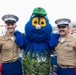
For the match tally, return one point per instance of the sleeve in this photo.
(1, 43)
(0, 48)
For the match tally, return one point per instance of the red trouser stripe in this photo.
(0, 69)
(75, 71)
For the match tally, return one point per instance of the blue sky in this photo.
(23, 9)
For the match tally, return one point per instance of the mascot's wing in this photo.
(53, 39)
(20, 40)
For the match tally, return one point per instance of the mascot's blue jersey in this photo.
(37, 43)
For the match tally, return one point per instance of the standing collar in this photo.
(67, 38)
(7, 37)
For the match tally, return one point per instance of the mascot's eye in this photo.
(35, 21)
(42, 21)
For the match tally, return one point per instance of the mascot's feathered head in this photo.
(38, 28)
